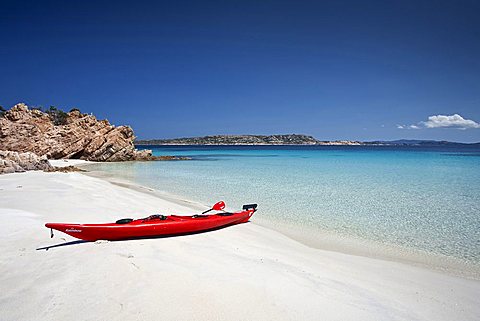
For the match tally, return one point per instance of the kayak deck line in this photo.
(155, 225)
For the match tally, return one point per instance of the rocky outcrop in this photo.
(11, 162)
(164, 158)
(79, 136)
(65, 169)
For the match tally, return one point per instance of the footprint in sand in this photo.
(128, 256)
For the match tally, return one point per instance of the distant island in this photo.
(288, 139)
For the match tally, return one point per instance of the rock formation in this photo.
(64, 169)
(79, 136)
(11, 162)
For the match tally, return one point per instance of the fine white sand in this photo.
(243, 272)
(69, 162)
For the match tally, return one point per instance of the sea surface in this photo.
(422, 199)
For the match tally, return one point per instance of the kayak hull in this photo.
(152, 227)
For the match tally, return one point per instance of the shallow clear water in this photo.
(425, 199)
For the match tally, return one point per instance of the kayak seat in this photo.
(199, 215)
(224, 214)
(124, 221)
(155, 217)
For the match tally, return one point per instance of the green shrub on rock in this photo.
(58, 116)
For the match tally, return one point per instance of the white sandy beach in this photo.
(243, 272)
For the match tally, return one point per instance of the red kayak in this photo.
(155, 225)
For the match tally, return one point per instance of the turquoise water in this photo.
(424, 199)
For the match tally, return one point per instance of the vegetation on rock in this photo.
(58, 116)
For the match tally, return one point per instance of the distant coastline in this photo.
(290, 139)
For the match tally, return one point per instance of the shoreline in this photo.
(238, 266)
(323, 240)
(350, 245)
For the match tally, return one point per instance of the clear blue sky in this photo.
(332, 69)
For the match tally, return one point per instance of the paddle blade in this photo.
(219, 206)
